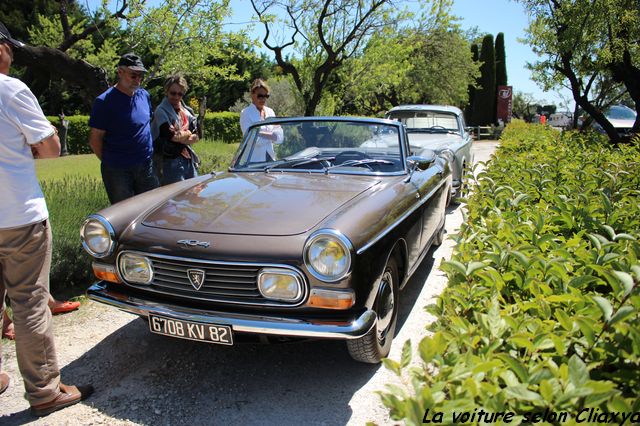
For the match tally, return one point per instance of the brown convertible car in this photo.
(311, 233)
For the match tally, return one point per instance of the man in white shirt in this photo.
(25, 239)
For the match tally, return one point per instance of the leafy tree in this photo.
(187, 37)
(430, 64)
(587, 45)
(311, 39)
(74, 47)
(284, 99)
(524, 105)
(370, 82)
(441, 69)
(485, 98)
(18, 15)
(223, 91)
(53, 58)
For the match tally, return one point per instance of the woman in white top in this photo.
(258, 111)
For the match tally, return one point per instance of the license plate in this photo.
(220, 334)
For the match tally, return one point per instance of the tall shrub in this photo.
(501, 68)
(484, 103)
(475, 56)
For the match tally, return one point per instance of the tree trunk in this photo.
(45, 60)
(624, 71)
(201, 112)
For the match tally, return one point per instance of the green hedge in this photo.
(219, 126)
(222, 126)
(77, 134)
(542, 308)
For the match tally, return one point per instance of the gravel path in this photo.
(145, 379)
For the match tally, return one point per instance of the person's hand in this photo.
(193, 138)
(267, 135)
(181, 136)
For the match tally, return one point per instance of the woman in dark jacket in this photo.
(174, 131)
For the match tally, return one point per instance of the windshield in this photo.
(427, 121)
(325, 146)
(621, 113)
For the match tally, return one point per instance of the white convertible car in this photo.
(438, 128)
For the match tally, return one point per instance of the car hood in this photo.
(434, 141)
(257, 203)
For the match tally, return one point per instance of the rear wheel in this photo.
(376, 344)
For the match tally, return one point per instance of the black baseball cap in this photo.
(132, 61)
(5, 36)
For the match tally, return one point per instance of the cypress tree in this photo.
(501, 69)
(501, 61)
(484, 104)
(471, 89)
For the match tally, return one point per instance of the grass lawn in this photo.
(215, 156)
(86, 165)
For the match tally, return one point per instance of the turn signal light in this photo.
(331, 299)
(105, 272)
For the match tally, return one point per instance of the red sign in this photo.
(505, 103)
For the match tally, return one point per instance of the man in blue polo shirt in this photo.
(120, 133)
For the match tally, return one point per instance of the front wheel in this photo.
(463, 190)
(439, 237)
(376, 344)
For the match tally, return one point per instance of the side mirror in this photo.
(421, 162)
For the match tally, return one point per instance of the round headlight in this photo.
(97, 236)
(327, 255)
(135, 268)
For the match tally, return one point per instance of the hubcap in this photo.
(386, 304)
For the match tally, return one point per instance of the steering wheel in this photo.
(438, 127)
(349, 155)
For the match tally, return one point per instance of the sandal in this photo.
(64, 307)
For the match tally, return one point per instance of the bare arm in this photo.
(48, 147)
(96, 139)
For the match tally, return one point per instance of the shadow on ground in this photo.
(150, 379)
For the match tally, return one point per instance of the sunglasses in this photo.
(136, 75)
(181, 94)
(262, 96)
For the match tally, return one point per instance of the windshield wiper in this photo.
(359, 163)
(298, 162)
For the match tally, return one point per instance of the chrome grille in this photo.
(230, 282)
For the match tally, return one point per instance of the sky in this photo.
(510, 18)
(489, 16)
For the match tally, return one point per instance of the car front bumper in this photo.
(239, 322)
